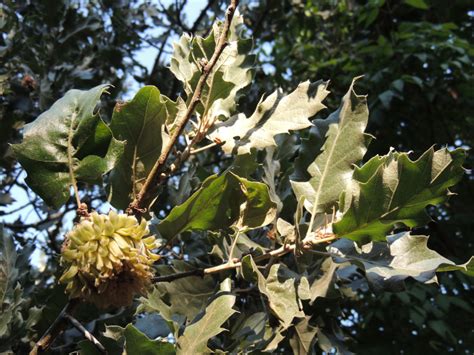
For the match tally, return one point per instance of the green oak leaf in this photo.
(335, 342)
(141, 123)
(206, 325)
(8, 270)
(10, 291)
(303, 338)
(246, 164)
(11, 318)
(249, 329)
(405, 255)
(221, 202)
(232, 72)
(419, 4)
(138, 343)
(394, 189)
(222, 244)
(330, 165)
(153, 302)
(271, 170)
(181, 299)
(276, 114)
(467, 268)
(67, 144)
(280, 287)
(324, 282)
(13, 304)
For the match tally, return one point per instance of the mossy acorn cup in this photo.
(108, 259)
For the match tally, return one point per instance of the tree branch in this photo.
(86, 333)
(196, 23)
(178, 275)
(56, 328)
(234, 264)
(157, 63)
(136, 206)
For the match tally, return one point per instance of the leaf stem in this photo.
(234, 243)
(136, 206)
(198, 150)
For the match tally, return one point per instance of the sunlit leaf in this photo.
(8, 271)
(322, 284)
(276, 114)
(395, 189)
(11, 293)
(303, 338)
(231, 73)
(345, 144)
(405, 255)
(467, 267)
(281, 288)
(10, 296)
(207, 325)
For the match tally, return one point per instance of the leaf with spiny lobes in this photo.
(303, 338)
(141, 123)
(329, 166)
(394, 189)
(13, 266)
(8, 271)
(405, 255)
(276, 114)
(196, 335)
(221, 202)
(232, 72)
(138, 343)
(281, 286)
(69, 143)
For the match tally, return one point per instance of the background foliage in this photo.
(416, 57)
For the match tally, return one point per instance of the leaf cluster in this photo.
(265, 248)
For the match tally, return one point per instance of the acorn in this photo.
(108, 259)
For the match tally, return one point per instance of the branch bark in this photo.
(136, 207)
(86, 333)
(234, 264)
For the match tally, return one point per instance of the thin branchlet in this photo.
(137, 207)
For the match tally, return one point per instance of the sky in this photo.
(147, 55)
(191, 11)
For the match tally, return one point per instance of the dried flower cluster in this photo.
(107, 259)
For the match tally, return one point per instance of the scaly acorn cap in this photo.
(107, 259)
